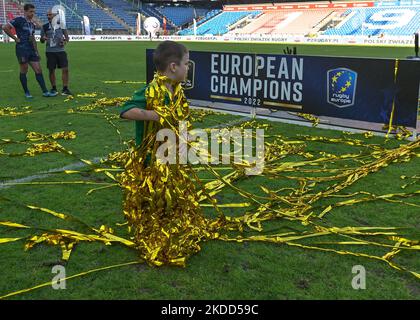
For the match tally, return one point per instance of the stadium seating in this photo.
(396, 18)
(12, 9)
(124, 10)
(150, 10)
(42, 6)
(181, 15)
(200, 21)
(396, 3)
(264, 24)
(285, 22)
(75, 9)
(303, 23)
(178, 15)
(219, 23)
(396, 21)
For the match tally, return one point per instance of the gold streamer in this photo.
(50, 283)
(14, 111)
(163, 203)
(309, 117)
(391, 117)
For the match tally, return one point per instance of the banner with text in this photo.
(361, 89)
(386, 41)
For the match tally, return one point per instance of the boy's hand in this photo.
(155, 116)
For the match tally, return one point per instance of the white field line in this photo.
(78, 165)
(45, 174)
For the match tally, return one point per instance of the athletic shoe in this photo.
(53, 93)
(28, 95)
(66, 92)
(47, 94)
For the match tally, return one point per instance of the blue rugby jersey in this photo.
(24, 30)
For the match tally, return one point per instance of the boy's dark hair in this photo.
(168, 52)
(28, 6)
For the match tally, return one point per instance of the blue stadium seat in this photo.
(75, 10)
(124, 10)
(217, 22)
(150, 10)
(396, 21)
(180, 14)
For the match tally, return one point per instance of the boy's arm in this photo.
(140, 115)
(135, 109)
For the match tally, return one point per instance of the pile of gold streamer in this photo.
(14, 111)
(100, 104)
(163, 204)
(51, 144)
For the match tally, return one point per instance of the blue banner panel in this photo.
(361, 89)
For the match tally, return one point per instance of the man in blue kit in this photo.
(26, 49)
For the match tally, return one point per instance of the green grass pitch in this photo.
(221, 270)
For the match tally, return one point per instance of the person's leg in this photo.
(51, 65)
(23, 79)
(36, 66)
(65, 76)
(53, 91)
(64, 65)
(52, 79)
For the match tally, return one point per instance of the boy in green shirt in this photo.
(171, 60)
(161, 203)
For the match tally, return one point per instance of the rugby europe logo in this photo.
(188, 84)
(341, 87)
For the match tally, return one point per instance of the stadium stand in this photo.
(150, 10)
(302, 22)
(11, 9)
(394, 18)
(209, 15)
(390, 3)
(72, 20)
(264, 24)
(176, 15)
(75, 9)
(396, 21)
(124, 10)
(181, 14)
(219, 24)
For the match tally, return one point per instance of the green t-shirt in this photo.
(139, 101)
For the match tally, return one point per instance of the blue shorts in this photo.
(26, 55)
